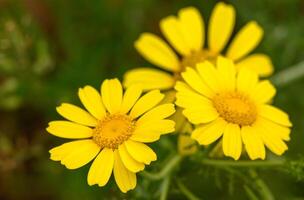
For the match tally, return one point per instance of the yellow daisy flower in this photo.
(186, 33)
(112, 132)
(232, 105)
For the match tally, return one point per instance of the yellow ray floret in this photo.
(234, 106)
(112, 132)
(186, 33)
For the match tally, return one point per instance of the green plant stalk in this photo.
(289, 75)
(165, 187)
(169, 166)
(249, 163)
(264, 191)
(186, 191)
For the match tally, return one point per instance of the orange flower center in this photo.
(235, 108)
(113, 130)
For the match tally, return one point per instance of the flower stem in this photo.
(165, 187)
(230, 163)
(186, 191)
(264, 191)
(169, 166)
(289, 75)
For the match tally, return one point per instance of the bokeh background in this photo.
(50, 48)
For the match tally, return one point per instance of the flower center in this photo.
(235, 108)
(113, 130)
(197, 57)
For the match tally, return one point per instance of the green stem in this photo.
(186, 191)
(264, 191)
(230, 163)
(165, 187)
(289, 75)
(169, 166)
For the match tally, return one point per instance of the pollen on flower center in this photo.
(197, 57)
(113, 130)
(235, 108)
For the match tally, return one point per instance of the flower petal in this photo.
(70, 130)
(221, 25)
(130, 97)
(207, 134)
(253, 143)
(129, 161)
(140, 152)
(146, 102)
(149, 79)
(274, 114)
(156, 51)
(173, 31)
(198, 115)
(125, 179)
(76, 114)
(246, 80)
(101, 169)
(159, 112)
(193, 27)
(209, 74)
(111, 93)
(245, 41)
(193, 79)
(227, 73)
(232, 143)
(75, 154)
(260, 63)
(91, 100)
(150, 131)
(263, 92)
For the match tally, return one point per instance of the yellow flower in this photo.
(235, 106)
(113, 131)
(186, 33)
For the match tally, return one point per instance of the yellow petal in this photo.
(75, 154)
(245, 41)
(111, 93)
(76, 114)
(185, 96)
(146, 102)
(140, 152)
(232, 143)
(156, 51)
(192, 78)
(150, 131)
(207, 134)
(159, 112)
(270, 138)
(198, 115)
(274, 114)
(263, 92)
(279, 130)
(70, 130)
(149, 79)
(227, 72)
(253, 143)
(91, 100)
(192, 26)
(101, 169)
(130, 97)
(246, 80)
(173, 31)
(128, 161)
(260, 63)
(221, 25)
(209, 74)
(125, 179)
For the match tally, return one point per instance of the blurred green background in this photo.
(50, 48)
